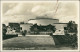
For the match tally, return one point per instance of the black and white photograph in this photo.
(40, 25)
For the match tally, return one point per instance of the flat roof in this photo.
(26, 24)
(60, 23)
(43, 19)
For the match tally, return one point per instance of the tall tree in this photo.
(71, 26)
(34, 28)
(51, 28)
(4, 29)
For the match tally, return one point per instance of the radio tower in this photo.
(56, 7)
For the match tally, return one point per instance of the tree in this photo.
(34, 28)
(4, 29)
(24, 32)
(71, 26)
(51, 28)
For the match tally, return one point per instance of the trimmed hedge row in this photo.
(65, 39)
(9, 36)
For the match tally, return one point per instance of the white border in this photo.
(36, 50)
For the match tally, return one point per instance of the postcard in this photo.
(40, 26)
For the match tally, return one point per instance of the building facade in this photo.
(25, 26)
(43, 21)
(15, 26)
(54, 22)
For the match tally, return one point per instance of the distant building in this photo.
(60, 25)
(25, 26)
(54, 22)
(43, 21)
(10, 31)
(15, 26)
(44, 26)
(60, 28)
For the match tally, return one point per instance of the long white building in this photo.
(45, 21)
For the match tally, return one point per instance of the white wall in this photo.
(25, 27)
(43, 21)
(60, 26)
(59, 29)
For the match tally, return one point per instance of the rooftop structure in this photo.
(43, 21)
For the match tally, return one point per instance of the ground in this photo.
(33, 43)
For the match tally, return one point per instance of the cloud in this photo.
(48, 9)
(7, 6)
(16, 10)
(36, 8)
(68, 18)
(39, 9)
(24, 11)
(19, 9)
(17, 18)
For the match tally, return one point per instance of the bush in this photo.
(66, 39)
(9, 36)
(24, 32)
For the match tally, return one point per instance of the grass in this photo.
(33, 43)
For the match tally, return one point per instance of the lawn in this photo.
(33, 43)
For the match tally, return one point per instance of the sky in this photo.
(23, 11)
